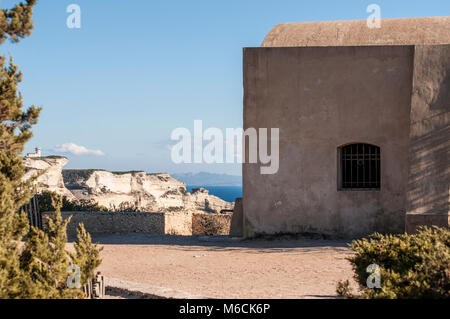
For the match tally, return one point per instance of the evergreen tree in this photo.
(45, 259)
(15, 127)
(38, 269)
(87, 255)
(17, 23)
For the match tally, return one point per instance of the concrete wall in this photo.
(429, 155)
(322, 98)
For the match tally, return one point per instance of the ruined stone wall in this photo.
(211, 224)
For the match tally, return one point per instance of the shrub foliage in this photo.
(411, 266)
(45, 204)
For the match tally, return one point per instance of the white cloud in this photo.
(77, 150)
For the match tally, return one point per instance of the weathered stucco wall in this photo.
(237, 219)
(321, 98)
(403, 31)
(429, 155)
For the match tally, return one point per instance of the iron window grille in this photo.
(360, 166)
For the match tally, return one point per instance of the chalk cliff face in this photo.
(133, 190)
(52, 179)
(117, 191)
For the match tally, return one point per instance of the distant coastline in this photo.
(209, 179)
(227, 193)
(226, 187)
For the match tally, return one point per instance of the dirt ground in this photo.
(228, 268)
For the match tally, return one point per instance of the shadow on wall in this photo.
(429, 155)
(430, 158)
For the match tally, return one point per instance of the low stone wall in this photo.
(211, 224)
(178, 223)
(171, 223)
(129, 222)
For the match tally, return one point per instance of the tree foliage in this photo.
(45, 204)
(16, 23)
(33, 264)
(46, 260)
(87, 255)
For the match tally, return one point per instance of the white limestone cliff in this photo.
(52, 179)
(117, 191)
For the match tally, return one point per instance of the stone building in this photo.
(36, 153)
(364, 135)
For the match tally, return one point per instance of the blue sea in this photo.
(227, 193)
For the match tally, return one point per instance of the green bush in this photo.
(45, 204)
(411, 266)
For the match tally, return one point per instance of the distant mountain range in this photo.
(209, 179)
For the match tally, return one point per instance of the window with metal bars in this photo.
(360, 166)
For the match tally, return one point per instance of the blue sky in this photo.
(137, 69)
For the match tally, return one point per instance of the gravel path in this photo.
(224, 267)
